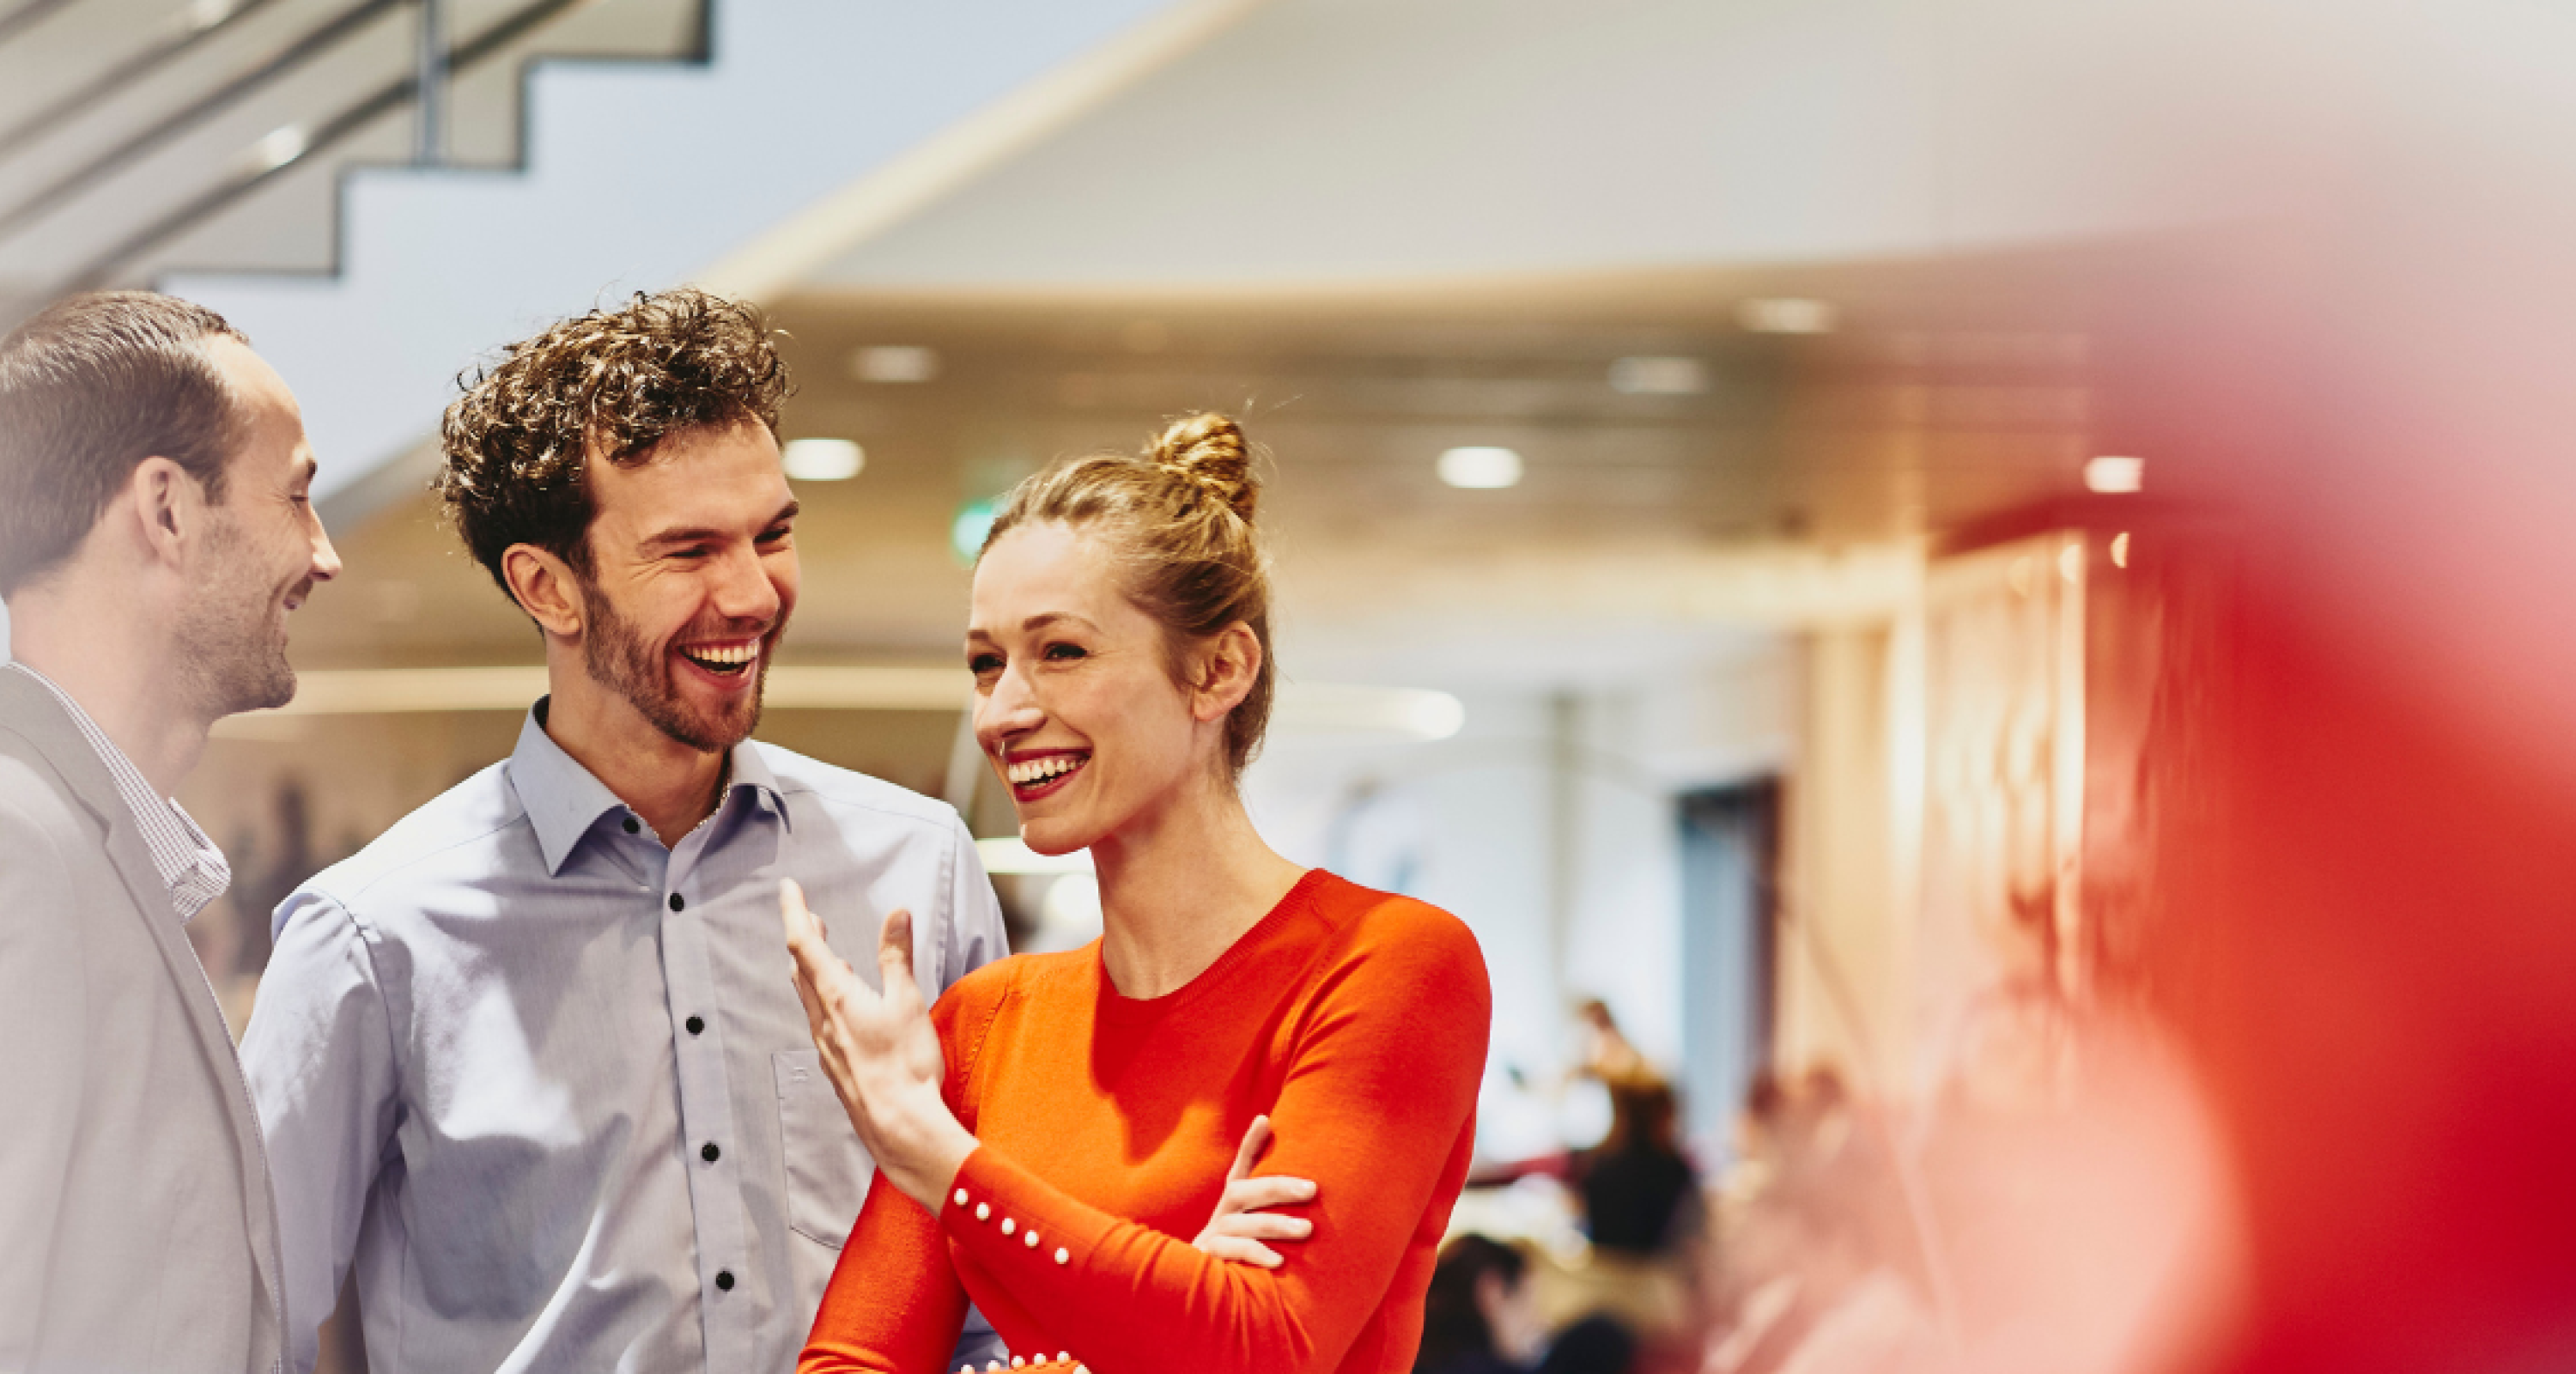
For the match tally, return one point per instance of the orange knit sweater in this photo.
(1357, 1020)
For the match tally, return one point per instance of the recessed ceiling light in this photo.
(1787, 315)
(1659, 376)
(895, 363)
(1480, 468)
(2114, 476)
(823, 460)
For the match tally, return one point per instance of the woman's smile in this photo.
(1043, 773)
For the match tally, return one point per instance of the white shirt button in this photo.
(961, 1201)
(1033, 1240)
(1062, 1255)
(984, 1212)
(1008, 1226)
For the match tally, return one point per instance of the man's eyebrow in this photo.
(698, 534)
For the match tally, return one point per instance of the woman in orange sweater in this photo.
(1048, 1135)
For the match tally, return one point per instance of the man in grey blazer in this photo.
(156, 529)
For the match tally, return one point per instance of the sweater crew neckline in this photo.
(1117, 1007)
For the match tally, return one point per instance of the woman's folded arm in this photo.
(1375, 1110)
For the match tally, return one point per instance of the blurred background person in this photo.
(1640, 1193)
(1480, 1315)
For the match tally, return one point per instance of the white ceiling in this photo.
(1350, 141)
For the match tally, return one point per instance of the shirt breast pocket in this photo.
(828, 1170)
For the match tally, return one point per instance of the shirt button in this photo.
(710, 1153)
(678, 902)
(724, 1280)
(632, 825)
(697, 1025)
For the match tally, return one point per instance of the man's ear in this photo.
(1227, 666)
(546, 589)
(168, 507)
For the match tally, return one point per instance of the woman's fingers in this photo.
(1247, 1154)
(894, 960)
(1264, 1226)
(796, 918)
(1239, 1250)
(1266, 1192)
(1242, 1219)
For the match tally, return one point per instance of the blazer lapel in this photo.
(26, 706)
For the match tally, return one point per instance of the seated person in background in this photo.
(1482, 1317)
(1639, 1193)
(1481, 1314)
(1048, 1136)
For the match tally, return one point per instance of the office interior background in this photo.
(2007, 561)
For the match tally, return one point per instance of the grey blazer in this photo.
(137, 1235)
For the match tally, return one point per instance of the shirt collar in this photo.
(565, 800)
(189, 864)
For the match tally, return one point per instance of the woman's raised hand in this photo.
(1243, 1219)
(879, 1050)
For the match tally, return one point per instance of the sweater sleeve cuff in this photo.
(1050, 1250)
(1011, 1220)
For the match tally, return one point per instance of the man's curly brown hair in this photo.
(612, 382)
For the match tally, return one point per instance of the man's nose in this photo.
(743, 588)
(326, 559)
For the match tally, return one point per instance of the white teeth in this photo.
(739, 653)
(1039, 770)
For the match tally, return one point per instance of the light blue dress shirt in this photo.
(547, 1084)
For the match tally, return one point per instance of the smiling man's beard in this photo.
(617, 658)
(229, 653)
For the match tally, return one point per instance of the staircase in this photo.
(758, 133)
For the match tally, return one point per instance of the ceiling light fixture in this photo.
(823, 460)
(1658, 376)
(1480, 468)
(2115, 476)
(1787, 315)
(896, 364)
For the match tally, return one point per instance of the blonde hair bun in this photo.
(1209, 450)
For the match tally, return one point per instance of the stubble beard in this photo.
(230, 656)
(617, 658)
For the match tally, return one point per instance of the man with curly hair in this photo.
(531, 1061)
